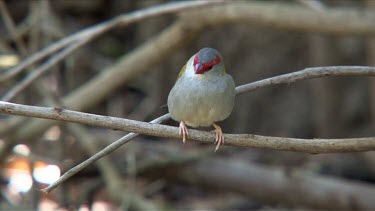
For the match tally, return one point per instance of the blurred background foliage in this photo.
(150, 168)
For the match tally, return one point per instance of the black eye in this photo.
(209, 67)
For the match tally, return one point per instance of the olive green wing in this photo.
(181, 72)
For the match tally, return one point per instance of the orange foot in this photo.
(183, 131)
(219, 137)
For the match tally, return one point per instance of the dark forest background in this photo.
(160, 174)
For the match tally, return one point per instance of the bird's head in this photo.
(206, 63)
(208, 60)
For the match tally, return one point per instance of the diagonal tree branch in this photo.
(307, 73)
(110, 148)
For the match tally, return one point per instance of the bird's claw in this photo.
(219, 137)
(183, 131)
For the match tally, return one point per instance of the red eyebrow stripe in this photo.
(195, 59)
(211, 63)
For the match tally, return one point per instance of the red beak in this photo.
(198, 68)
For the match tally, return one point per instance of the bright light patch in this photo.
(46, 174)
(52, 134)
(21, 181)
(101, 206)
(46, 204)
(21, 149)
(84, 208)
(8, 60)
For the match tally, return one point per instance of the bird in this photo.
(203, 94)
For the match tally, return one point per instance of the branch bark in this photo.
(308, 73)
(241, 140)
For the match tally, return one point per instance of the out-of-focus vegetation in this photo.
(153, 173)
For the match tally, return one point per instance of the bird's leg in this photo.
(219, 137)
(183, 131)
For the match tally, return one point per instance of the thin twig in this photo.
(9, 23)
(100, 154)
(109, 172)
(313, 4)
(91, 32)
(308, 73)
(36, 73)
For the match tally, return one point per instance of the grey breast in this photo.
(201, 102)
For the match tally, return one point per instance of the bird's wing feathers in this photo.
(182, 71)
(223, 72)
